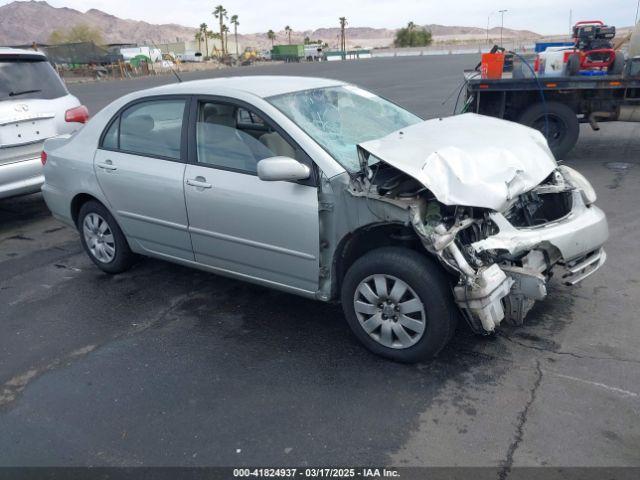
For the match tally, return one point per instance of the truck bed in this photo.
(474, 83)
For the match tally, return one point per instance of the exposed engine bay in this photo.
(499, 261)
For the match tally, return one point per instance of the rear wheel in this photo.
(398, 304)
(561, 127)
(102, 239)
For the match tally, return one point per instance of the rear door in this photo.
(140, 167)
(239, 223)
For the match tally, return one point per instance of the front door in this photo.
(140, 168)
(239, 223)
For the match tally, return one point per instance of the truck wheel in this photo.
(562, 124)
(618, 65)
(102, 239)
(573, 64)
(398, 304)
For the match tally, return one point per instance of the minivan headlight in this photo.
(579, 181)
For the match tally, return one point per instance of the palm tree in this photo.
(288, 31)
(198, 37)
(225, 36)
(271, 35)
(215, 36)
(343, 40)
(203, 32)
(235, 22)
(411, 26)
(221, 13)
(209, 35)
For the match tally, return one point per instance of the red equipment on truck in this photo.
(593, 49)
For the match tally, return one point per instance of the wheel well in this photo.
(367, 238)
(77, 202)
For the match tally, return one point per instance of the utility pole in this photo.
(488, 18)
(502, 12)
(637, 7)
(570, 20)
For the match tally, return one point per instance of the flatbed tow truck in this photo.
(564, 101)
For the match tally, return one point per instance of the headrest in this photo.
(137, 125)
(219, 114)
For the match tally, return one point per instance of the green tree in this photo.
(198, 37)
(271, 35)
(288, 31)
(221, 13)
(235, 22)
(57, 37)
(77, 34)
(412, 36)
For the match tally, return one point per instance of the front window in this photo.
(339, 118)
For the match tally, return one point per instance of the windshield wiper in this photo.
(24, 92)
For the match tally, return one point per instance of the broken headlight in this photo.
(579, 181)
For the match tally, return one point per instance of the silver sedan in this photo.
(325, 190)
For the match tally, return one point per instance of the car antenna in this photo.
(172, 69)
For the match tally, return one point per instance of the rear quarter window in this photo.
(28, 75)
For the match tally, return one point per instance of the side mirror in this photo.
(282, 168)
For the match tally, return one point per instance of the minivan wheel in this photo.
(398, 304)
(102, 239)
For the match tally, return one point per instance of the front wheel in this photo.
(398, 304)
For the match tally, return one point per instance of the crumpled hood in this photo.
(468, 159)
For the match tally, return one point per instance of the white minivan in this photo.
(34, 105)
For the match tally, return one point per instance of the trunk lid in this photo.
(469, 159)
(26, 124)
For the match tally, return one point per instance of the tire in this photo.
(102, 239)
(564, 128)
(428, 291)
(573, 64)
(618, 65)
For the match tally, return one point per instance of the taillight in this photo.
(43, 157)
(77, 115)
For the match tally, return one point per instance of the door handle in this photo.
(199, 182)
(107, 165)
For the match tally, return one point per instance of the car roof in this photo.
(260, 85)
(20, 52)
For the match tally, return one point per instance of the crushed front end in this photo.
(504, 260)
(501, 261)
(488, 200)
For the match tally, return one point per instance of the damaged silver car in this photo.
(323, 189)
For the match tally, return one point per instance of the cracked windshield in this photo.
(339, 118)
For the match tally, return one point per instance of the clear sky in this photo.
(543, 16)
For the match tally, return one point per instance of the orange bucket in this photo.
(492, 65)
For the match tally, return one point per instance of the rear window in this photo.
(27, 78)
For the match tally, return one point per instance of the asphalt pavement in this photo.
(164, 365)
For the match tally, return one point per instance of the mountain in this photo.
(23, 22)
(33, 21)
